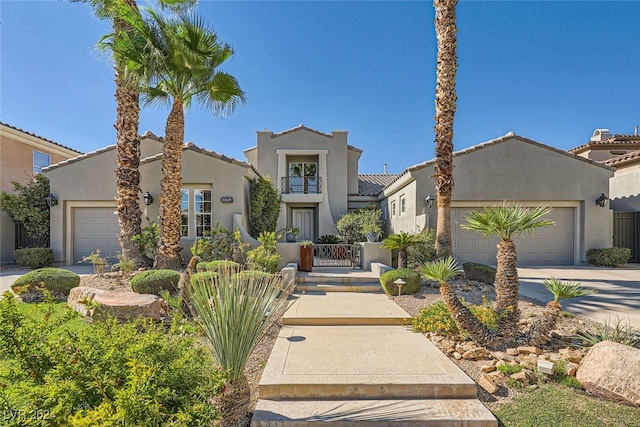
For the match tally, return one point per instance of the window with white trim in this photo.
(403, 204)
(40, 161)
(393, 209)
(197, 212)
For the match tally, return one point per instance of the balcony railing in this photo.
(301, 185)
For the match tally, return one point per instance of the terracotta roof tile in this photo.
(39, 137)
(371, 184)
(300, 127)
(623, 159)
(616, 140)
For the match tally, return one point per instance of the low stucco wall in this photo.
(290, 253)
(372, 252)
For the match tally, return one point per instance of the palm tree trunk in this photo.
(127, 160)
(507, 287)
(466, 320)
(540, 331)
(234, 403)
(445, 24)
(402, 258)
(170, 195)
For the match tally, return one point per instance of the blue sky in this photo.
(548, 70)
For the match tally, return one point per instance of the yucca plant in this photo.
(608, 331)
(539, 332)
(234, 314)
(442, 271)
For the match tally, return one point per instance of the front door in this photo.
(304, 219)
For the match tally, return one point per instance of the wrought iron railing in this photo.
(301, 185)
(336, 255)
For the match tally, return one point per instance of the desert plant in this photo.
(401, 242)
(265, 257)
(34, 257)
(155, 281)
(479, 272)
(233, 317)
(609, 257)
(222, 244)
(423, 252)
(328, 239)
(222, 264)
(204, 276)
(509, 369)
(55, 280)
(147, 240)
(125, 265)
(411, 278)
(247, 275)
(97, 260)
(305, 243)
(608, 331)
(437, 318)
(264, 202)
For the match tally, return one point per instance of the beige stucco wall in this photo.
(625, 183)
(526, 172)
(353, 157)
(16, 164)
(90, 183)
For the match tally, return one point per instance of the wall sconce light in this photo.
(602, 201)
(148, 198)
(429, 200)
(51, 200)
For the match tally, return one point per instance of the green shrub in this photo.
(264, 202)
(509, 369)
(34, 257)
(223, 265)
(424, 252)
(221, 244)
(411, 277)
(354, 226)
(609, 257)
(55, 280)
(201, 266)
(147, 240)
(248, 275)
(265, 257)
(105, 373)
(204, 277)
(436, 318)
(155, 281)
(479, 272)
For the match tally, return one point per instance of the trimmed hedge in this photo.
(34, 257)
(410, 276)
(479, 272)
(609, 257)
(56, 280)
(204, 277)
(222, 265)
(155, 281)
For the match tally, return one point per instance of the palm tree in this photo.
(234, 314)
(539, 332)
(446, 31)
(402, 242)
(507, 222)
(176, 58)
(126, 125)
(441, 271)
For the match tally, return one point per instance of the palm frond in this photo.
(401, 241)
(442, 269)
(566, 290)
(507, 221)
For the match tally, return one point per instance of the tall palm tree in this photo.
(446, 33)
(177, 59)
(402, 242)
(507, 222)
(126, 125)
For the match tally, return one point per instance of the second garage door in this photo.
(552, 245)
(95, 228)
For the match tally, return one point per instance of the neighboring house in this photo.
(215, 189)
(519, 170)
(623, 153)
(22, 154)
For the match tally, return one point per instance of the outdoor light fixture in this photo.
(51, 200)
(429, 200)
(148, 198)
(400, 283)
(602, 201)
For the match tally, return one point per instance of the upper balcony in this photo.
(301, 185)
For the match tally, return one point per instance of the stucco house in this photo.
(621, 152)
(215, 189)
(317, 176)
(22, 154)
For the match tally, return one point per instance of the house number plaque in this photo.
(226, 199)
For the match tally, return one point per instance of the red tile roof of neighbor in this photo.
(616, 140)
(39, 137)
(623, 159)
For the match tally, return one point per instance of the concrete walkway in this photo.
(618, 290)
(342, 358)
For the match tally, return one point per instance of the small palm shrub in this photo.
(155, 281)
(204, 277)
(58, 282)
(328, 239)
(609, 257)
(411, 278)
(479, 272)
(34, 257)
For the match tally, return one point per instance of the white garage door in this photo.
(95, 228)
(548, 245)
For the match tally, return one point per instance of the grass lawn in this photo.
(557, 406)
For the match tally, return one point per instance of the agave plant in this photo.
(234, 313)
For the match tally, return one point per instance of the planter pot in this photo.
(372, 237)
(306, 258)
(291, 237)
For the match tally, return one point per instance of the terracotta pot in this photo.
(306, 258)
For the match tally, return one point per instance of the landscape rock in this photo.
(512, 351)
(475, 353)
(98, 303)
(525, 376)
(529, 350)
(571, 369)
(612, 371)
(486, 383)
(571, 355)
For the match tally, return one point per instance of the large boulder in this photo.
(97, 303)
(612, 371)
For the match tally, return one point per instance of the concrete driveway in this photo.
(7, 277)
(618, 290)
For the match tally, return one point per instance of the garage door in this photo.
(549, 245)
(95, 228)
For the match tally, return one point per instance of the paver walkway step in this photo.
(373, 413)
(339, 287)
(344, 309)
